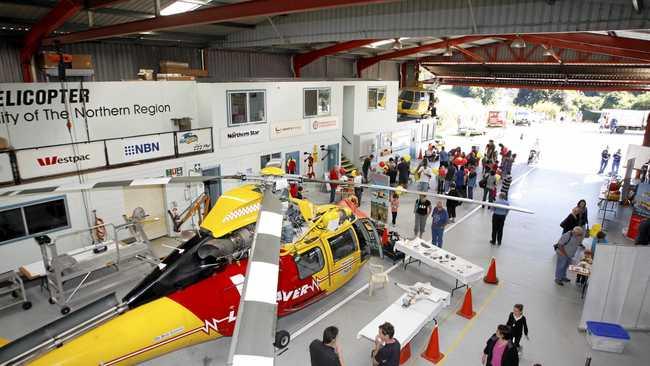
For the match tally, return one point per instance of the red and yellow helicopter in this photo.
(228, 280)
(194, 295)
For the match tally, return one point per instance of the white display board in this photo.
(5, 168)
(243, 135)
(286, 129)
(638, 152)
(62, 159)
(193, 141)
(323, 124)
(619, 287)
(132, 149)
(35, 114)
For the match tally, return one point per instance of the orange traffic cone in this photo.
(384, 236)
(432, 353)
(466, 310)
(405, 354)
(420, 155)
(491, 277)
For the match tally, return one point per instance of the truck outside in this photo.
(621, 120)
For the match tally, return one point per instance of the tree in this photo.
(642, 102)
(550, 109)
(530, 97)
(461, 90)
(485, 95)
(617, 100)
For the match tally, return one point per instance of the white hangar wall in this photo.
(207, 105)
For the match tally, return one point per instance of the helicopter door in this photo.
(344, 257)
(311, 264)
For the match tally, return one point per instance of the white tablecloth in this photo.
(429, 254)
(408, 321)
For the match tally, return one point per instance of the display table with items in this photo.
(609, 197)
(418, 250)
(409, 313)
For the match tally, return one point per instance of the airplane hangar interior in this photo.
(325, 182)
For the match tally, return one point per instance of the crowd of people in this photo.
(453, 173)
(503, 348)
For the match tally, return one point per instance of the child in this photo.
(517, 321)
(299, 194)
(600, 238)
(394, 205)
(585, 262)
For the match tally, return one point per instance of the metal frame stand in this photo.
(412, 260)
(63, 271)
(11, 283)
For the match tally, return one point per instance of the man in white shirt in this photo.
(357, 180)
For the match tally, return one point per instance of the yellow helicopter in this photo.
(259, 254)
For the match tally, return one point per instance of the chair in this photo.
(377, 277)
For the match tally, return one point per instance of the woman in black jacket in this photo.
(451, 204)
(501, 340)
(583, 217)
(571, 221)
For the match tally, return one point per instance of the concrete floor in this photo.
(525, 265)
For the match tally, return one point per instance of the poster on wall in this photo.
(62, 159)
(243, 135)
(287, 129)
(147, 147)
(323, 124)
(194, 141)
(379, 198)
(5, 168)
(35, 114)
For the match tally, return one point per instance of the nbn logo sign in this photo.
(141, 148)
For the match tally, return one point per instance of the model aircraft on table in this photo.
(258, 254)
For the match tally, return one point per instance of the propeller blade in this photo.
(252, 342)
(137, 182)
(411, 191)
(442, 196)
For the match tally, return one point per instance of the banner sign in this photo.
(132, 149)
(193, 141)
(243, 135)
(5, 168)
(323, 124)
(53, 160)
(379, 198)
(36, 114)
(287, 129)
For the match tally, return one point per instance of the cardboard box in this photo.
(173, 70)
(50, 60)
(198, 73)
(81, 61)
(177, 64)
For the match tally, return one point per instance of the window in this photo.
(246, 107)
(317, 102)
(407, 95)
(33, 218)
(377, 97)
(309, 262)
(342, 245)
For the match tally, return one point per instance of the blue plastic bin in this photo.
(608, 337)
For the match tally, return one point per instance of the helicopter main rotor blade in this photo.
(252, 342)
(411, 191)
(443, 196)
(136, 182)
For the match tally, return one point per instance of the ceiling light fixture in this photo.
(181, 6)
(518, 43)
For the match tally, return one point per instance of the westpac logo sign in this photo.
(137, 149)
(54, 160)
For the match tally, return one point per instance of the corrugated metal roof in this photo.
(443, 18)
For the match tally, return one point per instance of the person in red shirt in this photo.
(334, 175)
